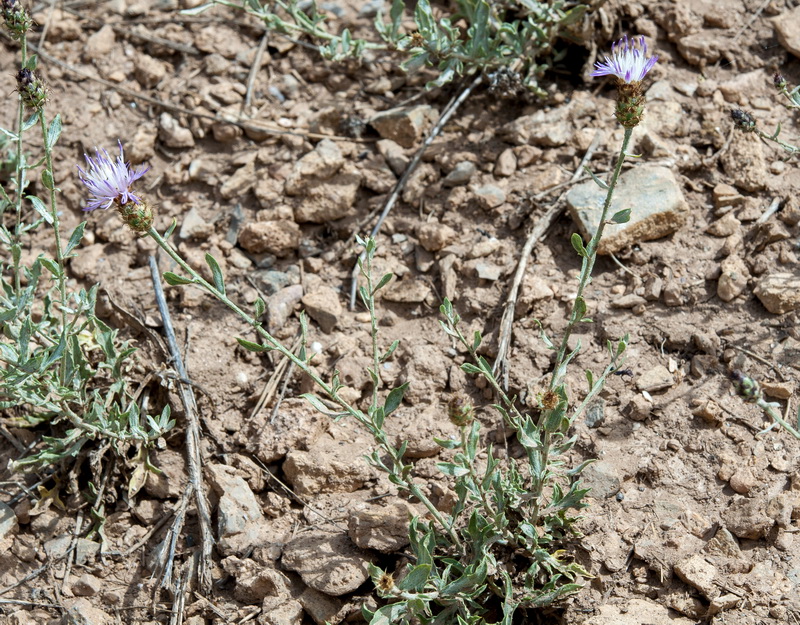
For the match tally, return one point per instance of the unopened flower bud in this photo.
(16, 18)
(743, 120)
(747, 388)
(779, 81)
(138, 216)
(460, 410)
(31, 88)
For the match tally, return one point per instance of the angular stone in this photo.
(506, 163)
(653, 194)
(656, 379)
(327, 562)
(327, 468)
(725, 226)
(331, 199)
(489, 196)
(81, 612)
(148, 71)
(8, 520)
(280, 237)
(394, 155)
(433, 235)
(407, 292)
(733, 279)
(322, 609)
(324, 307)
(779, 292)
(746, 518)
(636, 611)
(744, 162)
(99, 44)
(696, 572)
(281, 305)
(787, 27)
(173, 134)
(602, 478)
(296, 426)
(461, 174)
(87, 586)
(405, 125)
(319, 164)
(537, 129)
(383, 528)
(171, 483)
(241, 524)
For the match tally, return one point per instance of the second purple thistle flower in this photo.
(628, 60)
(109, 181)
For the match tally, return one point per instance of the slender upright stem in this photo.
(587, 265)
(273, 343)
(20, 174)
(62, 282)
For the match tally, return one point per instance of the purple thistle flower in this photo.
(628, 61)
(110, 181)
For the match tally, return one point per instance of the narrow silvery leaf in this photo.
(577, 243)
(603, 185)
(54, 131)
(75, 238)
(253, 347)
(622, 217)
(176, 280)
(171, 229)
(260, 307)
(30, 122)
(216, 272)
(40, 208)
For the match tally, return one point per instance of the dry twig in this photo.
(194, 459)
(449, 110)
(539, 230)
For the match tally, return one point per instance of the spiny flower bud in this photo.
(743, 120)
(460, 410)
(31, 88)
(747, 388)
(16, 18)
(138, 216)
(779, 81)
(629, 63)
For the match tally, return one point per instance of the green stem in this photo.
(62, 283)
(770, 411)
(20, 174)
(774, 138)
(273, 343)
(587, 265)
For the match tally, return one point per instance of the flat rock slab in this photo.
(636, 612)
(327, 561)
(654, 196)
(779, 292)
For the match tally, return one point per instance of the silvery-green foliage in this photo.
(63, 371)
(477, 36)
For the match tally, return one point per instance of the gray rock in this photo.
(324, 307)
(733, 279)
(240, 182)
(506, 163)
(271, 281)
(8, 520)
(383, 528)
(327, 562)
(172, 134)
(696, 572)
(85, 551)
(405, 125)
(747, 518)
(653, 194)
(322, 609)
(320, 164)
(655, 379)
(779, 292)
(281, 306)
(241, 524)
(460, 175)
(537, 129)
(296, 426)
(87, 586)
(595, 413)
(279, 237)
(787, 27)
(394, 155)
(327, 468)
(602, 478)
(489, 196)
(81, 612)
(195, 226)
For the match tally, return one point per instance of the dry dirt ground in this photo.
(694, 511)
